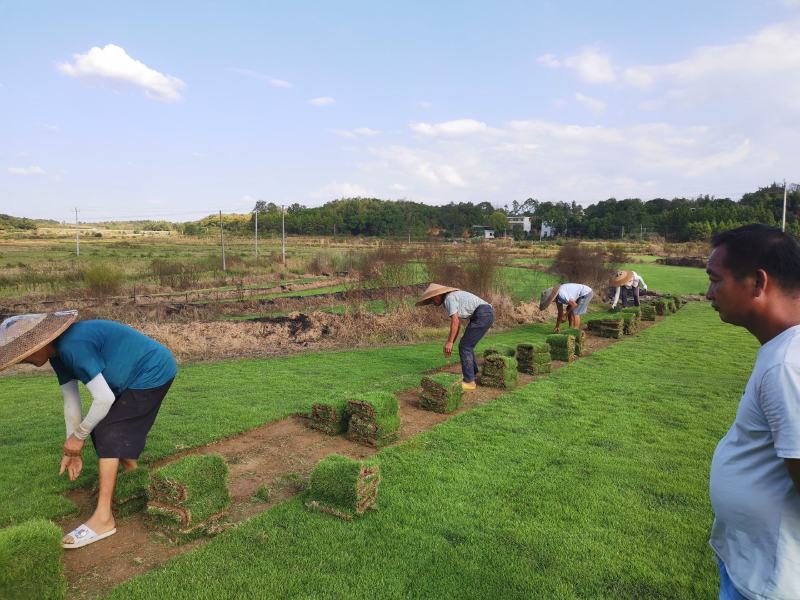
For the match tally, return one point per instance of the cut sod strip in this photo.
(130, 493)
(648, 312)
(630, 323)
(189, 497)
(662, 308)
(562, 346)
(30, 562)
(534, 359)
(441, 392)
(343, 487)
(374, 419)
(607, 328)
(499, 371)
(580, 339)
(330, 416)
(501, 349)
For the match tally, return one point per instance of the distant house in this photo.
(483, 232)
(547, 230)
(524, 221)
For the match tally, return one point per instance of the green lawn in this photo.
(524, 285)
(671, 280)
(591, 483)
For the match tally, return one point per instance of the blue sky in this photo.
(178, 109)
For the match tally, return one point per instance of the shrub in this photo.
(582, 264)
(102, 280)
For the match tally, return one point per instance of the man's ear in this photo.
(761, 282)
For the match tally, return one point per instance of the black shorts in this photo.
(123, 431)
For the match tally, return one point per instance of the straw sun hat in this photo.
(548, 296)
(22, 335)
(432, 291)
(620, 278)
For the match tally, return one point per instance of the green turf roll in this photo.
(343, 487)
(562, 346)
(580, 339)
(330, 416)
(130, 493)
(499, 371)
(630, 323)
(30, 562)
(375, 419)
(441, 392)
(636, 310)
(501, 349)
(189, 497)
(533, 359)
(648, 312)
(661, 307)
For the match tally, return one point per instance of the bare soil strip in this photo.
(279, 455)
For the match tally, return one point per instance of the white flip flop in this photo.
(83, 536)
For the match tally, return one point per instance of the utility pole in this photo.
(256, 233)
(622, 235)
(222, 240)
(283, 235)
(783, 222)
(77, 235)
(641, 231)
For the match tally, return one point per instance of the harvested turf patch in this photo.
(661, 307)
(375, 419)
(130, 493)
(188, 498)
(610, 328)
(580, 339)
(562, 346)
(648, 312)
(330, 416)
(499, 371)
(534, 359)
(441, 393)
(501, 349)
(30, 562)
(630, 324)
(343, 487)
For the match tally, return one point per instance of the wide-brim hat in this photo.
(432, 291)
(22, 335)
(620, 278)
(548, 296)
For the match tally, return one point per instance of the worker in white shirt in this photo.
(571, 298)
(627, 285)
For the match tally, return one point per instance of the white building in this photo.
(524, 221)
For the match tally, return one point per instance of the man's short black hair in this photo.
(752, 247)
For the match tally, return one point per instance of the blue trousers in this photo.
(478, 325)
(727, 591)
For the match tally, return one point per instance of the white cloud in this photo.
(111, 63)
(274, 82)
(450, 128)
(590, 65)
(335, 189)
(591, 104)
(322, 101)
(356, 133)
(280, 83)
(366, 131)
(31, 170)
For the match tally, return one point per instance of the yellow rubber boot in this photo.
(468, 386)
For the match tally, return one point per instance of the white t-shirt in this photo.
(756, 529)
(461, 302)
(572, 291)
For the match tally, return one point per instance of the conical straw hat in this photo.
(22, 335)
(620, 278)
(548, 296)
(432, 291)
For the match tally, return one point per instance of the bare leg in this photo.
(129, 464)
(102, 520)
(577, 321)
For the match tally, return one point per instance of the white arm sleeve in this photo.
(642, 284)
(616, 298)
(102, 399)
(72, 406)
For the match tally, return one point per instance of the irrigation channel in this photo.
(280, 455)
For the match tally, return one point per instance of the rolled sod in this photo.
(343, 487)
(534, 359)
(375, 418)
(330, 416)
(188, 498)
(501, 349)
(661, 307)
(499, 371)
(130, 493)
(562, 346)
(630, 323)
(30, 562)
(648, 312)
(441, 392)
(580, 339)
(636, 310)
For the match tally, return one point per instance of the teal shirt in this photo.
(126, 358)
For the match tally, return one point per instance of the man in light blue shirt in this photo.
(459, 305)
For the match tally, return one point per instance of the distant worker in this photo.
(462, 305)
(754, 274)
(127, 374)
(626, 284)
(572, 298)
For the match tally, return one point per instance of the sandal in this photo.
(83, 536)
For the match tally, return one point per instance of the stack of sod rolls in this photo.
(562, 346)
(343, 487)
(632, 320)
(648, 312)
(329, 416)
(672, 304)
(610, 328)
(188, 498)
(501, 349)
(661, 307)
(441, 392)
(580, 339)
(130, 493)
(499, 371)
(375, 418)
(30, 562)
(534, 359)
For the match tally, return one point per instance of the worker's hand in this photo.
(73, 466)
(448, 349)
(73, 446)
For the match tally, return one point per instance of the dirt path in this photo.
(279, 455)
